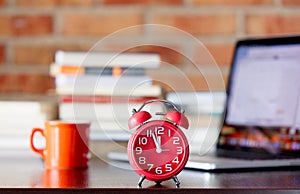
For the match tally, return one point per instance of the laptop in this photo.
(261, 127)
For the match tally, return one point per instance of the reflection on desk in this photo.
(23, 169)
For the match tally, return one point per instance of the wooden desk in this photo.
(23, 169)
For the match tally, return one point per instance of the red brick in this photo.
(25, 25)
(36, 3)
(197, 81)
(5, 25)
(291, 2)
(222, 53)
(2, 2)
(97, 24)
(232, 2)
(168, 55)
(199, 24)
(23, 83)
(27, 54)
(143, 2)
(52, 3)
(2, 54)
(272, 24)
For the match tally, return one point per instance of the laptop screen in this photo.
(263, 102)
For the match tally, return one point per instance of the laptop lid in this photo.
(262, 117)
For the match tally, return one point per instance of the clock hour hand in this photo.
(157, 143)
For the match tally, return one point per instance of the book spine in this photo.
(27, 108)
(153, 90)
(104, 99)
(101, 81)
(56, 70)
(102, 112)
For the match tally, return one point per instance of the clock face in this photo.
(158, 150)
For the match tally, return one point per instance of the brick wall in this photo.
(32, 30)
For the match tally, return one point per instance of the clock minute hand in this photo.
(157, 144)
(158, 138)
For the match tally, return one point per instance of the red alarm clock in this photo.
(158, 150)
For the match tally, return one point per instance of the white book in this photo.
(20, 126)
(90, 111)
(103, 112)
(97, 135)
(26, 107)
(18, 143)
(143, 91)
(102, 81)
(108, 59)
(199, 102)
(109, 126)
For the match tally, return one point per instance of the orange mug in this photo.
(66, 144)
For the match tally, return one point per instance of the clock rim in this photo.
(150, 176)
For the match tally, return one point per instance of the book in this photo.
(56, 70)
(199, 102)
(141, 91)
(107, 59)
(204, 120)
(19, 117)
(104, 99)
(104, 135)
(113, 112)
(28, 108)
(21, 125)
(109, 121)
(101, 81)
(103, 88)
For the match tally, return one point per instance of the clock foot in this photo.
(157, 182)
(142, 178)
(176, 181)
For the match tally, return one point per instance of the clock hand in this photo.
(157, 145)
(158, 138)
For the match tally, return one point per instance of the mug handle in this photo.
(39, 151)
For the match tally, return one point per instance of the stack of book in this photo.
(204, 111)
(103, 87)
(18, 118)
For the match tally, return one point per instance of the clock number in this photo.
(179, 150)
(158, 170)
(168, 167)
(149, 133)
(142, 160)
(142, 140)
(138, 150)
(159, 130)
(169, 133)
(150, 166)
(176, 140)
(175, 160)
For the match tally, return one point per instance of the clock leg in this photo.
(142, 178)
(157, 182)
(176, 181)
